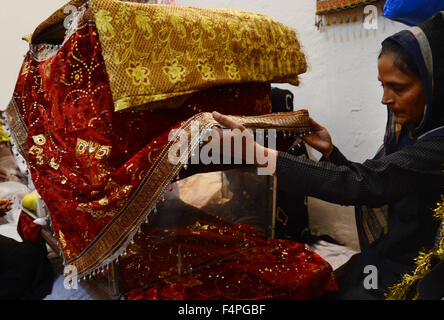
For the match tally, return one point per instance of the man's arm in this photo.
(375, 182)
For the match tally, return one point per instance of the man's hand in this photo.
(248, 149)
(319, 139)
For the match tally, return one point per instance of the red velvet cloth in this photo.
(28, 230)
(87, 162)
(189, 254)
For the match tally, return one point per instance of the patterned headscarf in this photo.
(424, 44)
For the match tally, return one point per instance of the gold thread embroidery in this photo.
(139, 74)
(62, 239)
(54, 164)
(206, 69)
(104, 202)
(154, 182)
(90, 147)
(81, 146)
(174, 71)
(38, 152)
(103, 153)
(103, 19)
(39, 140)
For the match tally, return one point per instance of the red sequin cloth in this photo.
(194, 255)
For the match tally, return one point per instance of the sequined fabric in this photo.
(28, 230)
(102, 173)
(188, 254)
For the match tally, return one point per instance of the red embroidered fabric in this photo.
(85, 159)
(194, 255)
(28, 230)
(88, 163)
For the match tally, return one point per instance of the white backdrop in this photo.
(18, 18)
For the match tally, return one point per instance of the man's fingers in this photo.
(227, 122)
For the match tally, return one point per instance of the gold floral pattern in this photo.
(231, 69)
(174, 71)
(103, 23)
(54, 164)
(143, 21)
(139, 74)
(38, 153)
(103, 153)
(187, 47)
(206, 69)
(81, 147)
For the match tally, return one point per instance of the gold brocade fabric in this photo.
(158, 52)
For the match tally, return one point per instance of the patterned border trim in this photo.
(426, 51)
(332, 6)
(18, 129)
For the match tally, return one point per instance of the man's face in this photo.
(404, 94)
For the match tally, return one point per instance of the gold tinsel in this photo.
(406, 288)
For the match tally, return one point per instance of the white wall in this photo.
(17, 19)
